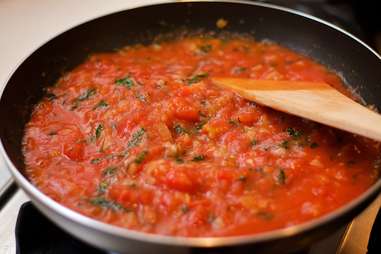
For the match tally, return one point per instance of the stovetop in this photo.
(50, 238)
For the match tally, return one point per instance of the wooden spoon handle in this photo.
(315, 101)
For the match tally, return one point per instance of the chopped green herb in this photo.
(205, 48)
(51, 96)
(265, 215)
(179, 129)
(197, 78)
(178, 159)
(253, 142)
(242, 178)
(200, 124)
(109, 171)
(127, 82)
(98, 130)
(238, 69)
(285, 144)
(233, 122)
(184, 208)
(96, 160)
(89, 92)
(122, 154)
(201, 114)
(111, 156)
(102, 187)
(84, 96)
(140, 157)
(136, 138)
(108, 204)
(314, 145)
(101, 104)
(293, 133)
(198, 158)
(281, 177)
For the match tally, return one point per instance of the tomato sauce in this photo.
(141, 138)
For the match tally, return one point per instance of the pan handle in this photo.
(356, 237)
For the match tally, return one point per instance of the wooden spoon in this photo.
(312, 100)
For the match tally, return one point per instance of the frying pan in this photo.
(357, 64)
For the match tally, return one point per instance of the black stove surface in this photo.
(35, 234)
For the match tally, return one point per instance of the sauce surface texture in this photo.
(142, 139)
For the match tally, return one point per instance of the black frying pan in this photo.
(359, 66)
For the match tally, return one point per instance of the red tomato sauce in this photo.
(142, 139)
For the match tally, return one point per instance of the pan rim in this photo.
(39, 197)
